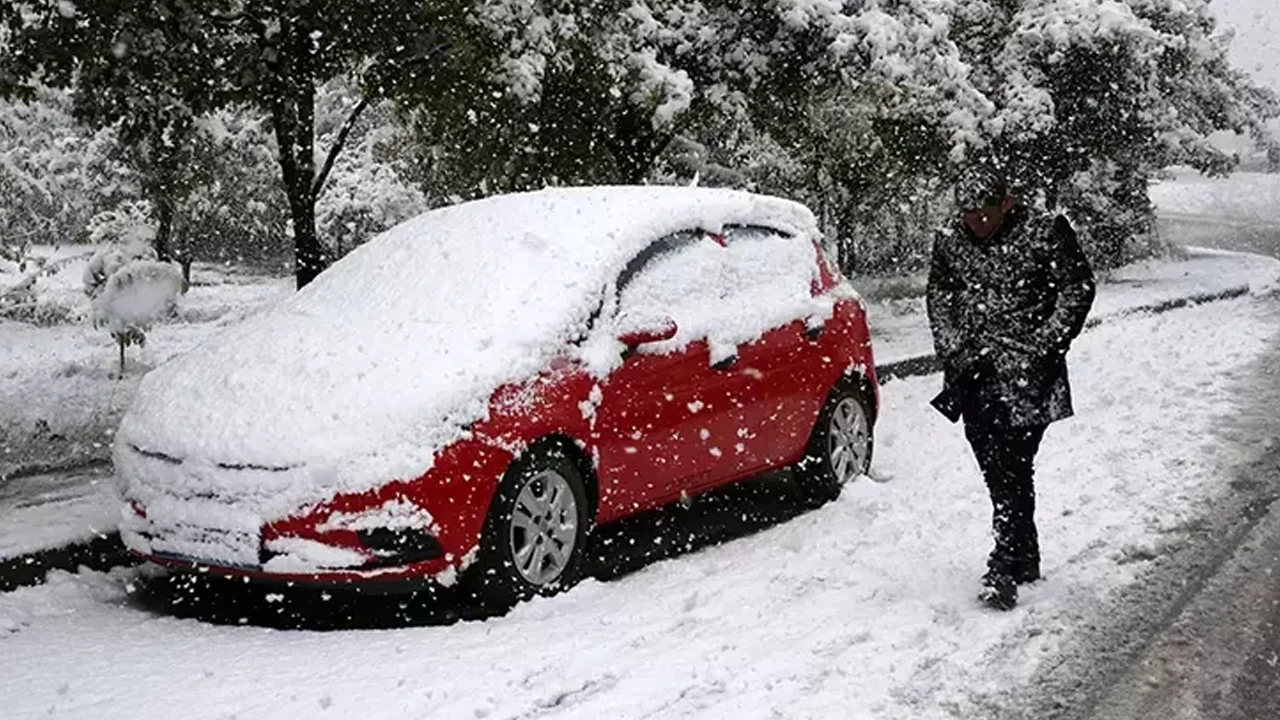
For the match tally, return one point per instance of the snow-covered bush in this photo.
(129, 288)
(109, 259)
(54, 173)
(134, 297)
(17, 290)
(129, 223)
(41, 287)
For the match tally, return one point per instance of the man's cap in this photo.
(977, 185)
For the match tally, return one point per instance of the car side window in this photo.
(667, 282)
(727, 288)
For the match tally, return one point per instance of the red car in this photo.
(467, 395)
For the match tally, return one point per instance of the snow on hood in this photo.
(386, 357)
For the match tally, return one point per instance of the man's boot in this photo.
(1026, 571)
(999, 591)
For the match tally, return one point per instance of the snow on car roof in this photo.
(384, 359)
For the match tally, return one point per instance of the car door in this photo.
(658, 419)
(646, 429)
(765, 411)
(771, 279)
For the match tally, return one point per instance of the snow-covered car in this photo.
(472, 391)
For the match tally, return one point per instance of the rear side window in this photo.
(728, 288)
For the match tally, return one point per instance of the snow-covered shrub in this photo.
(40, 288)
(54, 173)
(110, 258)
(27, 298)
(127, 223)
(134, 297)
(1111, 206)
(17, 290)
(129, 288)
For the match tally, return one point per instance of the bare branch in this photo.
(360, 107)
(338, 142)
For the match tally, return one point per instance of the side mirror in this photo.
(660, 333)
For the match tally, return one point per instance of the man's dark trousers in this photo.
(1007, 458)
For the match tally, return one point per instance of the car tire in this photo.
(535, 534)
(840, 445)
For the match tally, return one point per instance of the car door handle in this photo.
(726, 363)
(813, 333)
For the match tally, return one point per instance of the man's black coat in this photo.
(1004, 311)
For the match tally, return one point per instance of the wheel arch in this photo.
(859, 380)
(577, 453)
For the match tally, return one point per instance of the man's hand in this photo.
(989, 342)
(974, 366)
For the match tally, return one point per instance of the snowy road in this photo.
(1198, 636)
(1201, 639)
(862, 609)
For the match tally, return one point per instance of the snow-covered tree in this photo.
(372, 185)
(54, 173)
(588, 91)
(272, 56)
(239, 212)
(1093, 96)
(133, 298)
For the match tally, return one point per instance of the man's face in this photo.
(984, 221)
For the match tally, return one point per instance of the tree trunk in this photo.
(293, 117)
(164, 230)
(310, 257)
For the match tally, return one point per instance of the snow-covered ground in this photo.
(1242, 211)
(1244, 198)
(43, 512)
(863, 609)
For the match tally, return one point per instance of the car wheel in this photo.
(840, 446)
(536, 531)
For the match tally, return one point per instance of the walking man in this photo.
(1009, 290)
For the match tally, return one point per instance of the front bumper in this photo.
(390, 578)
(427, 528)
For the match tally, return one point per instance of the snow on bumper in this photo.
(183, 513)
(174, 508)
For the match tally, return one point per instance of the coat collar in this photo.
(1013, 220)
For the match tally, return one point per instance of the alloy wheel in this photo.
(848, 440)
(544, 528)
